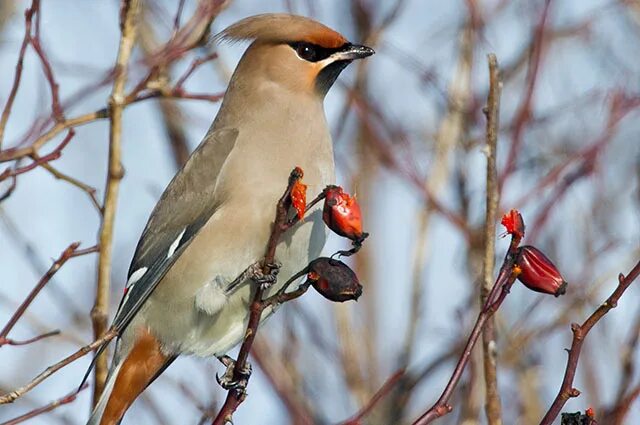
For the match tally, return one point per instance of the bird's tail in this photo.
(130, 374)
(98, 411)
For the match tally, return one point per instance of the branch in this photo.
(14, 395)
(28, 16)
(99, 313)
(384, 390)
(524, 111)
(503, 283)
(69, 398)
(70, 252)
(39, 160)
(492, 111)
(579, 334)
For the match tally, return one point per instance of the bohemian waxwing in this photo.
(214, 218)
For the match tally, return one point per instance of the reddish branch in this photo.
(70, 252)
(505, 280)
(580, 332)
(69, 398)
(383, 391)
(39, 160)
(16, 394)
(28, 16)
(524, 111)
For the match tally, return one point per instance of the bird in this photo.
(214, 218)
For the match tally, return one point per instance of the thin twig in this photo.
(492, 405)
(579, 334)
(14, 395)
(28, 16)
(66, 255)
(523, 115)
(99, 313)
(39, 160)
(69, 398)
(384, 390)
(501, 287)
(9, 341)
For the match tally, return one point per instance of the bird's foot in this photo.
(227, 380)
(265, 280)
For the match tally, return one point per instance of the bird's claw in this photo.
(265, 280)
(227, 380)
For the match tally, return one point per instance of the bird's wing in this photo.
(185, 206)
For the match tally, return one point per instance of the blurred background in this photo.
(409, 135)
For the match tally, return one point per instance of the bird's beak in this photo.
(352, 52)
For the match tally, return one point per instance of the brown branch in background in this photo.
(383, 391)
(16, 394)
(617, 414)
(492, 405)
(282, 382)
(28, 15)
(579, 334)
(70, 252)
(69, 398)
(99, 313)
(501, 287)
(524, 111)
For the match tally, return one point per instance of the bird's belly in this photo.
(190, 330)
(217, 334)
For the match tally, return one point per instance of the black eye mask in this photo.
(312, 52)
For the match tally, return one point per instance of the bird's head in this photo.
(294, 52)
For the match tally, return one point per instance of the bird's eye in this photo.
(306, 51)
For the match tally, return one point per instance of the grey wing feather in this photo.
(184, 207)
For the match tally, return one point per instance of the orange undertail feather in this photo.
(129, 378)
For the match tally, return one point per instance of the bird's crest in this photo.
(281, 28)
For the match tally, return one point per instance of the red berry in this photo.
(538, 273)
(342, 213)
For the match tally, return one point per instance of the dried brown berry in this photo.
(538, 273)
(334, 280)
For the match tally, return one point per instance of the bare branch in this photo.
(99, 313)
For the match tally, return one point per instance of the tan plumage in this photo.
(277, 28)
(214, 218)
